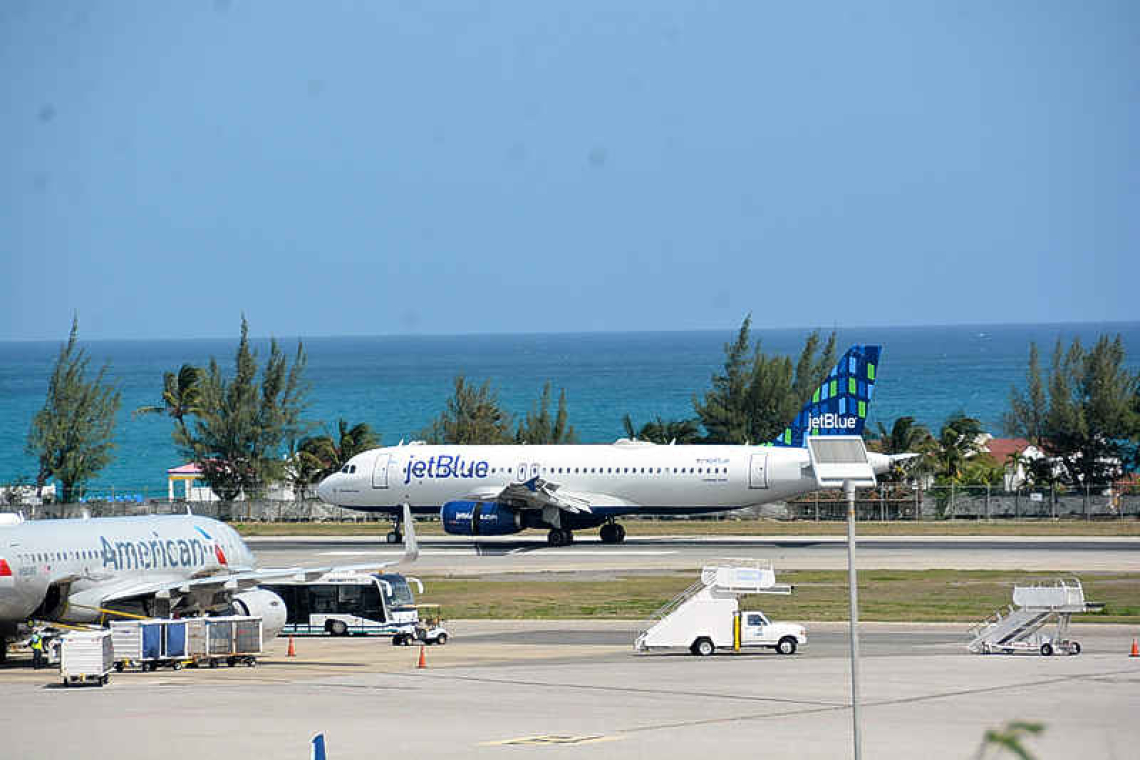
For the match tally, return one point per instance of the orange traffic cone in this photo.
(423, 658)
(1135, 649)
(292, 650)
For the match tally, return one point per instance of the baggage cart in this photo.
(232, 639)
(86, 657)
(150, 644)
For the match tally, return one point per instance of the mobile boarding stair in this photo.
(1018, 629)
(712, 600)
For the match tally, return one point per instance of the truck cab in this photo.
(756, 630)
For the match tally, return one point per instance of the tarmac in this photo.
(516, 689)
(458, 555)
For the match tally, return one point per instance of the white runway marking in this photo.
(467, 550)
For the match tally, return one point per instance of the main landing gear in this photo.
(559, 537)
(612, 533)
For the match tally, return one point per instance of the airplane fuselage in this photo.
(59, 569)
(620, 478)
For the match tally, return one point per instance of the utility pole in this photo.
(853, 583)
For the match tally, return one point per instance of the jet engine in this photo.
(480, 518)
(265, 605)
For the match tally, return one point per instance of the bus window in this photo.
(322, 600)
(401, 595)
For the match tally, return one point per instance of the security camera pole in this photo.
(841, 462)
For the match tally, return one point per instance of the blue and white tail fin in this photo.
(839, 405)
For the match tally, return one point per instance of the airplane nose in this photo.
(324, 490)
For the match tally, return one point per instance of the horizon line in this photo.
(754, 329)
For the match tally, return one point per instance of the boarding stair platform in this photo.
(728, 579)
(1018, 628)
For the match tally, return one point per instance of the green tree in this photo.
(72, 436)
(181, 396)
(1083, 414)
(663, 431)
(539, 428)
(241, 425)
(472, 416)
(1027, 411)
(756, 395)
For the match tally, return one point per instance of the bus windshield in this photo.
(401, 594)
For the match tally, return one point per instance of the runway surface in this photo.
(498, 555)
(575, 689)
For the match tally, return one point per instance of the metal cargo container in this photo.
(86, 657)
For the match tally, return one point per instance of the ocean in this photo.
(399, 383)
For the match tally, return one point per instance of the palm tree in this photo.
(906, 437)
(321, 455)
(957, 442)
(663, 431)
(181, 395)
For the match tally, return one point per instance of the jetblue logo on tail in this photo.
(839, 405)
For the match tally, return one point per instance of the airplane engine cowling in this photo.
(265, 605)
(479, 518)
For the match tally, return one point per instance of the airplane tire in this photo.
(619, 532)
(608, 534)
(394, 537)
(559, 537)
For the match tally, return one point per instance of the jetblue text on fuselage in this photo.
(829, 421)
(444, 466)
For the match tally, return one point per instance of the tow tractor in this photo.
(427, 630)
(707, 616)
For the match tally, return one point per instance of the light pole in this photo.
(853, 583)
(840, 461)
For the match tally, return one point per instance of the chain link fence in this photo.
(880, 504)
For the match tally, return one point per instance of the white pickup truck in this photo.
(756, 630)
(706, 616)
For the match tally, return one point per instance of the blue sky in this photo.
(453, 167)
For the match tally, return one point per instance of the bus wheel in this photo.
(338, 628)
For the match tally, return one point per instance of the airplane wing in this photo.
(538, 493)
(245, 578)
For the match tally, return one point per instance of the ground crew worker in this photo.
(37, 642)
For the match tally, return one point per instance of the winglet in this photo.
(411, 546)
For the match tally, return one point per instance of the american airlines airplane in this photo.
(500, 490)
(73, 571)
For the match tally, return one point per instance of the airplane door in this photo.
(380, 471)
(758, 471)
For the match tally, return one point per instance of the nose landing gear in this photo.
(395, 536)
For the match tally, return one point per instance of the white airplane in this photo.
(74, 571)
(500, 490)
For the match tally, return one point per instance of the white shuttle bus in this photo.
(349, 603)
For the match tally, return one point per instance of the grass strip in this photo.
(732, 527)
(819, 595)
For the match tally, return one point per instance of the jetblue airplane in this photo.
(74, 571)
(500, 490)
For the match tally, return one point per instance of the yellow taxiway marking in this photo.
(551, 739)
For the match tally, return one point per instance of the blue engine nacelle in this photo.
(479, 518)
